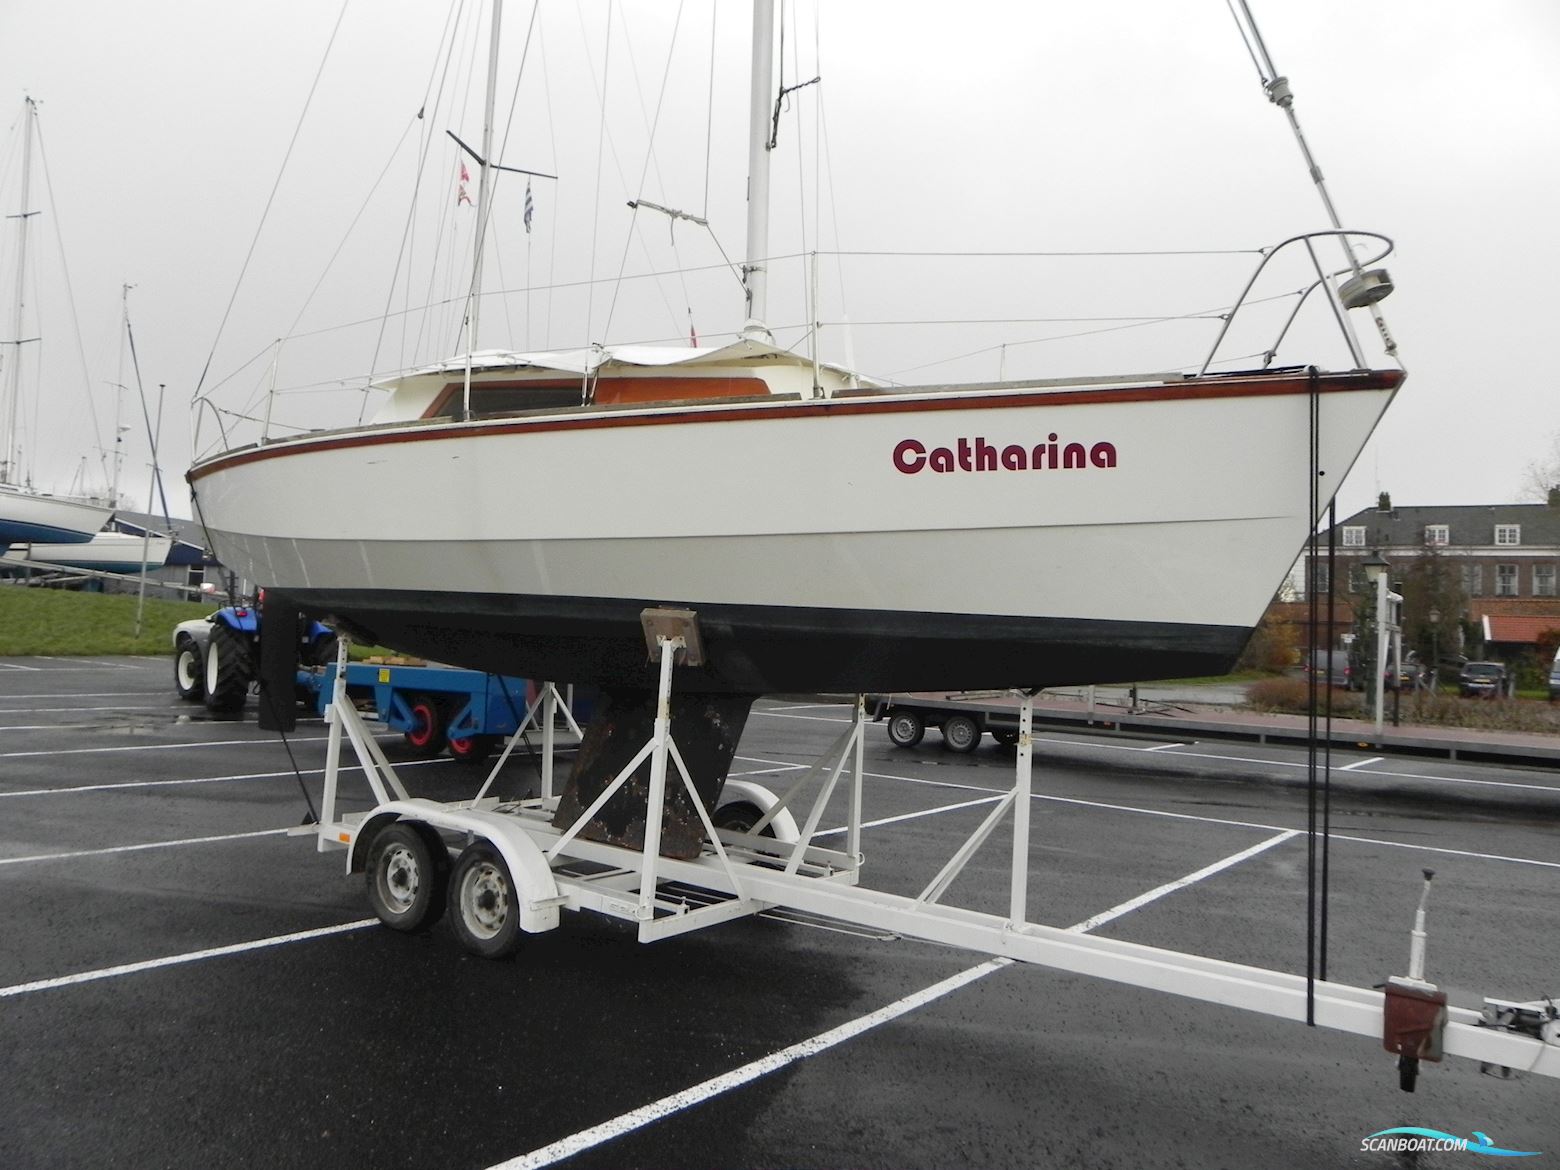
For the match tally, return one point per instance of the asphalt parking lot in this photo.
(186, 983)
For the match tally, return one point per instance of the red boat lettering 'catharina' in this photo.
(911, 456)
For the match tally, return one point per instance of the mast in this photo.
(484, 197)
(8, 435)
(754, 277)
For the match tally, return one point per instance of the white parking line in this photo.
(773, 714)
(73, 710)
(138, 848)
(177, 960)
(1197, 818)
(162, 691)
(1362, 763)
(676, 1102)
(159, 747)
(72, 790)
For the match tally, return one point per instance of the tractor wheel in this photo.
(321, 651)
(189, 673)
(228, 669)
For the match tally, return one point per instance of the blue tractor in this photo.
(217, 658)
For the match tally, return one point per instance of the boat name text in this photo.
(912, 456)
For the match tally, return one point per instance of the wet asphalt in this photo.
(183, 983)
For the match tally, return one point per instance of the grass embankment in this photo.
(1439, 710)
(56, 621)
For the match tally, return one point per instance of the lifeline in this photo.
(911, 456)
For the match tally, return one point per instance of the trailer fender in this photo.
(533, 879)
(784, 824)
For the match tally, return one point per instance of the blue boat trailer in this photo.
(433, 707)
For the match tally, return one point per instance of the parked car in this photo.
(1554, 678)
(1334, 664)
(1410, 674)
(1485, 680)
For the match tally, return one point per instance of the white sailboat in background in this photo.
(831, 535)
(27, 514)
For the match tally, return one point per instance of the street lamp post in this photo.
(1435, 649)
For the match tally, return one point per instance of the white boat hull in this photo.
(106, 552)
(816, 540)
(27, 516)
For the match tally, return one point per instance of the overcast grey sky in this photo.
(996, 128)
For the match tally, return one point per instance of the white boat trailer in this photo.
(515, 872)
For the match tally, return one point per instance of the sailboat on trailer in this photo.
(830, 535)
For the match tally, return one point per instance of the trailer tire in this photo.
(905, 728)
(472, 749)
(189, 672)
(426, 734)
(227, 669)
(740, 816)
(961, 733)
(1007, 737)
(405, 875)
(484, 909)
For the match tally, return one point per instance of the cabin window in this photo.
(1544, 580)
(1354, 536)
(1505, 580)
(505, 399)
(1508, 534)
(1437, 534)
(553, 394)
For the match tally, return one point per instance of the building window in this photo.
(1505, 580)
(1508, 534)
(1321, 578)
(1473, 580)
(1437, 534)
(1354, 536)
(1544, 580)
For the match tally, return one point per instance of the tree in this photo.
(1542, 475)
(1432, 582)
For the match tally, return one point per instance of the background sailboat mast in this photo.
(754, 276)
(9, 471)
(484, 197)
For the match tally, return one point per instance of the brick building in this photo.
(1506, 557)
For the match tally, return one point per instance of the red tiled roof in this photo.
(1517, 628)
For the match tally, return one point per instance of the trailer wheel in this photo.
(189, 673)
(483, 913)
(473, 749)
(405, 878)
(961, 733)
(227, 669)
(426, 734)
(905, 728)
(1007, 737)
(740, 816)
